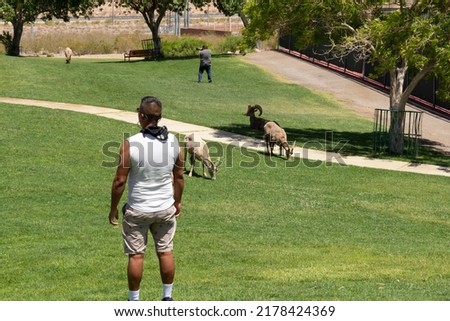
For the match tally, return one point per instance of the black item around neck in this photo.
(160, 133)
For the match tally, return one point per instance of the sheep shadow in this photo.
(195, 174)
(343, 142)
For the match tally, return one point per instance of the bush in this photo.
(181, 47)
(6, 40)
(229, 44)
(174, 47)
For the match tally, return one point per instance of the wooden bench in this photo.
(147, 53)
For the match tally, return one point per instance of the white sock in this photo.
(133, 295)
(167, 290)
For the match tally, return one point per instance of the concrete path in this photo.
(237, 140)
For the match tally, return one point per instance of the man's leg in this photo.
(208, 70)
(135, 241)
(135, 270)
(167, 271)
(200, 74)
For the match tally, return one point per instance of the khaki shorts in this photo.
(136, 224)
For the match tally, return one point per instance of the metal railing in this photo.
(408, 131)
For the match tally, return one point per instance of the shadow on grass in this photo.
(345, 143)
(156, 60)
(198, 168)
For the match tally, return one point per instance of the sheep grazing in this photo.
(255, 122)
(274, 134)
(198, 149)
(68, 53)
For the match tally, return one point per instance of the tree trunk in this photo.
(156, 43)
(399, 98)
(14, 49)
(153, 24)
(243, 18)
(397, 108)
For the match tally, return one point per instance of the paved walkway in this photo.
(350, 93)
(237, 140)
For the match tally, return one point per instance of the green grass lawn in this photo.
(305, 115)
(256, 233)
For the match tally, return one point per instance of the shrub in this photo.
(6, 40)
(188, 46)
(181, 47)
(229, 44)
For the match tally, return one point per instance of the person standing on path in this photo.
(205, 63)
(152, 163)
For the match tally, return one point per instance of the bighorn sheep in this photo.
(198, 149)
(274, 134)
(255, 122)
(68, 54)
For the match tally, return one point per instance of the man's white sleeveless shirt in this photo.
(150, 186)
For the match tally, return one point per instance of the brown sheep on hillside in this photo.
(274, 134)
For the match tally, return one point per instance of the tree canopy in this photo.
(20, 12)
(227, 7)
(153, 12)
(408, 39)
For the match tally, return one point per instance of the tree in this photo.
(21, 12)
(411, 39)
(227, 7)
(153, 12)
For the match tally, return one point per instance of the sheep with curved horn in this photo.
(255, 122)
